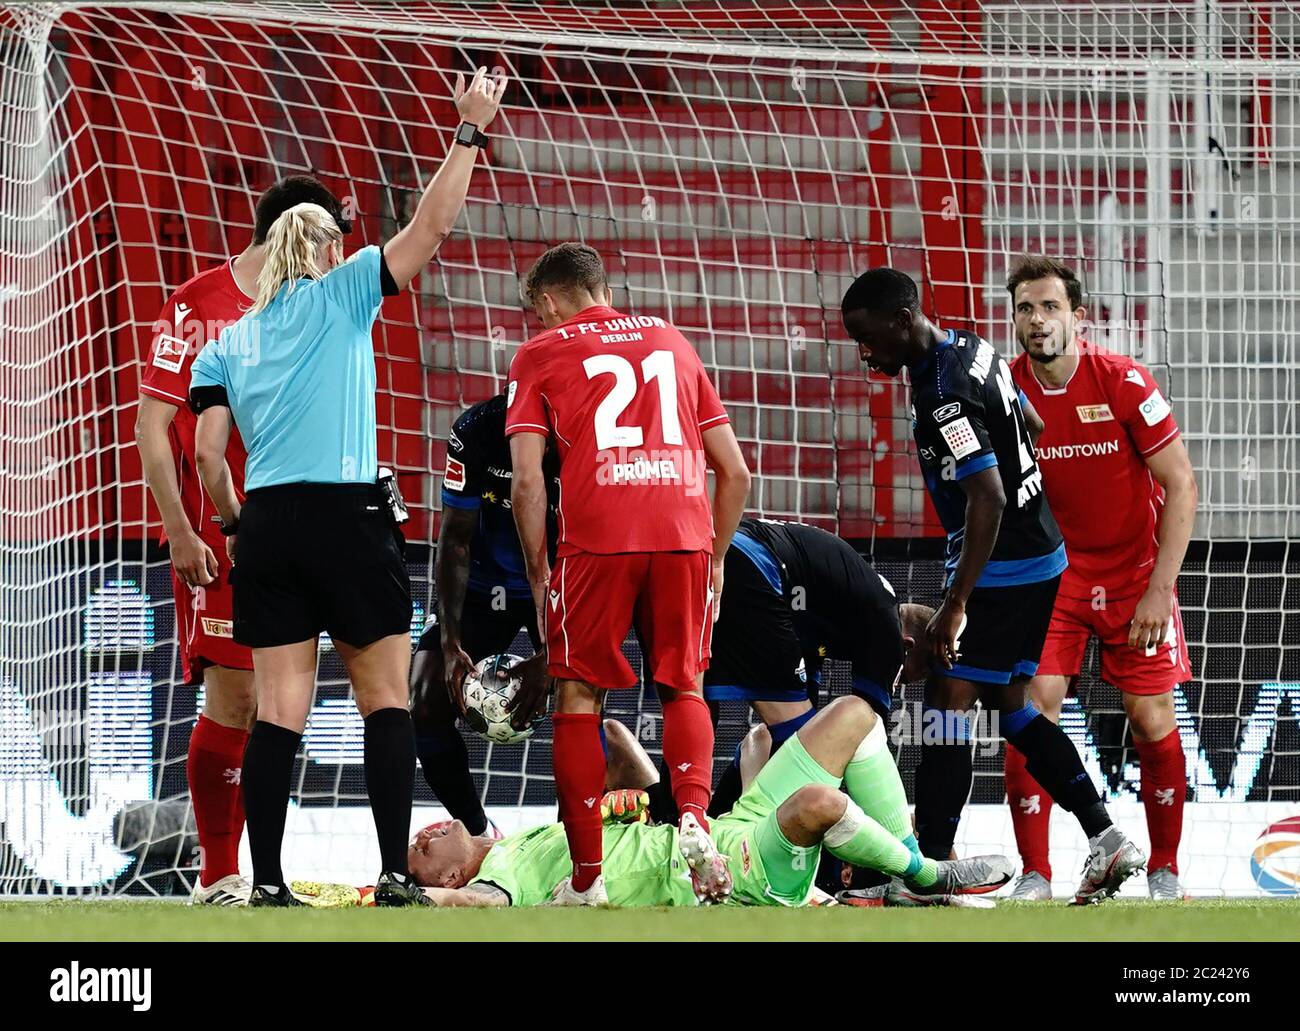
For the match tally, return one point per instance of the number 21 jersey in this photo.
(625, 400)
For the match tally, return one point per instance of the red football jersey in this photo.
(197, 312)
(625, 400)
(1099, 429)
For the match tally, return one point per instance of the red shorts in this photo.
(205, 627)
(595, 599)
(1139, 671)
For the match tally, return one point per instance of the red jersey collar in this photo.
(596, 311)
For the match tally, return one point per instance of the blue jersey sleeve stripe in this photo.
(976, 463)
(1023, 400)
(459, 500)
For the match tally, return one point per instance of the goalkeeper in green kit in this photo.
(792, 809)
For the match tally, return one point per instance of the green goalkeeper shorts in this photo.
(766, 869)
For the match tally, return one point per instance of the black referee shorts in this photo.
(318, 556)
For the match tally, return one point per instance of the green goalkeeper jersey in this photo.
(642, 866)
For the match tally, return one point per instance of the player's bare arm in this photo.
(1172, 469)
(193, 559)
(985, 501)
(731, 489)
(479, 896)
(210, 439)
(451, 577)
(528, 502)
(435, 216)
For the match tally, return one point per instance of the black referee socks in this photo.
(390, 782)
(265, 780)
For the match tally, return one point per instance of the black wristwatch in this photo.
(469, 135)
(228, 529)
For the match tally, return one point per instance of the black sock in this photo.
(265, 780)
(943, 783)
(444, 760)
(1053, 761)
(727, 791)
(662, 807)
(390, 782)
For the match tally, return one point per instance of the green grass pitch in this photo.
(1201, 920)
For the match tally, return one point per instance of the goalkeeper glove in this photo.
(625, 805)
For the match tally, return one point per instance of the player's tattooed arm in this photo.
(478, 895)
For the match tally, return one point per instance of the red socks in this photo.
(1164, 790)
(212, 769)
(1031, 813)
(688, 753)
(579, 763)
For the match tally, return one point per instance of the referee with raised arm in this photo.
(319, 548)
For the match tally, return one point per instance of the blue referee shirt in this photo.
(300, 378)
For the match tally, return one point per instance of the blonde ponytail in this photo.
(291, 247)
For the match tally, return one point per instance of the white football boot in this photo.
(564, 895)
(232, 890)
(1031, 886)
(1163, 886)
(709, 874)
(1112, 860)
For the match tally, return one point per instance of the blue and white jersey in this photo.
(967, 417)
(299, 377)
(478, 478)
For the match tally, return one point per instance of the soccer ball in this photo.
(486, 697)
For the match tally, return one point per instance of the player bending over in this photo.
(771, 838)
(164, 432)
(1124, 493)
(1005, 558)
(793, 596)
(635, 423)
(484, 600)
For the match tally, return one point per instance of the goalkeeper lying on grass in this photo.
(792, 808)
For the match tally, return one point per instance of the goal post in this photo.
(736, 162)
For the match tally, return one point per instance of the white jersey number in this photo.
(658, 366)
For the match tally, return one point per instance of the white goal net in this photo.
(737, 163)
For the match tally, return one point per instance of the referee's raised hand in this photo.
(479, 102)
